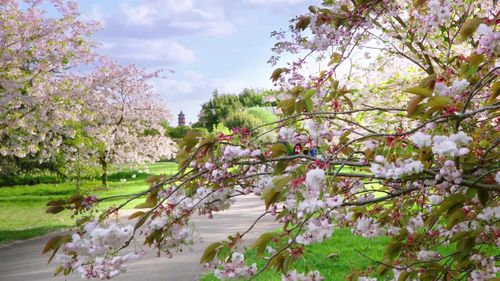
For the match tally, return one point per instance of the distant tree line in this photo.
(246, 109)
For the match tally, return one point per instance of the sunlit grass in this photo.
(23, 207)
(334, 258)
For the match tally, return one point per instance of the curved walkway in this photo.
(24, 261)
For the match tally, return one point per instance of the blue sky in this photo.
(209, 44)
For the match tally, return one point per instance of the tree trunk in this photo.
(104, 176)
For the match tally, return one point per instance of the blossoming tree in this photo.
(410, 154)
(125, 123)
(49, 110)
(38, 95)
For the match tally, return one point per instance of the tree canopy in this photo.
(221, 106)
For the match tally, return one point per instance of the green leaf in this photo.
(483, 196)
(190, 139)
(419, 91)
(476, 59)
(75, 198)
(295, 91)
(80, 222)
(261, 243)
(455, 217)
(335, 58)
(58, 270)
(450, 202)
(57, 202)
(299, 106)
(278, 150)
(287, 106)
(302, 23)
(224, 252)
(428, 82)
(54, 209)
(309, 94)
(431, 219)
(413, 104)
(136, 215)
(281, 181)
(382, 269)
(154, 236)
(469, 27)
(276, 74)
(309, 105)
(210, 253)
(271, 194)
(495, 89)
(280, 167)
(439, 101)
(459, 236)
(152, 179)
(142, 220)
(392, 249)
(51, 244)
(404, 275)
(282, 214)
(151, 201)
(349, 102)
(54, 244)
(145, 205)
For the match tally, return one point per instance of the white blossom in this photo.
(317, 230)
(295, 276)
(315, 178)
(489, 213)
(435, 199)
(370, 144)
(396, 170)
(367, 227)
(428, 255)
(236, 268)
(421, 140)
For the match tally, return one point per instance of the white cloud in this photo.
(150, 51)
(98, 14)
(149, 12)
(213, 27)
(181, 15)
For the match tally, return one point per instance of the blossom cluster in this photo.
(396, 170)
(452, 145)
(293, 275)
(489, 41)
(455, 90)
(236, 268)
(94, 253)
(316, 230)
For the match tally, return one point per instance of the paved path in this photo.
(24, 261)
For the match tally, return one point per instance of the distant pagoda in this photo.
(182, 119)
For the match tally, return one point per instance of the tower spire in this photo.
(181, 119)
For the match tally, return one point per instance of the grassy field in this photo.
(22, 208)
(334, 258)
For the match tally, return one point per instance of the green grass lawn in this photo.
(334, 258)
(22, 208)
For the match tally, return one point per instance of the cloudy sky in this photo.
(209, 44)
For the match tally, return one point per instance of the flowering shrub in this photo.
(405, 146)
